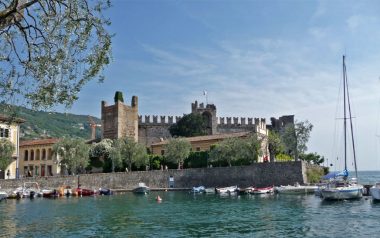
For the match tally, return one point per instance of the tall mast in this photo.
(351, 127)
(344, 113)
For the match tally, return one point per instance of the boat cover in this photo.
(331, 175)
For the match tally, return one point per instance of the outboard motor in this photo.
(31, 194)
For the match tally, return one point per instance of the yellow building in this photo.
(204, 143)
(37, 159)
(10, 130)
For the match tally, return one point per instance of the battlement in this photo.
(201, 107)
(242, 121)
(158, 120)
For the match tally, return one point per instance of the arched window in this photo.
(26, 155)
(50, 154)
(31, 154)
(43, 154)
(38, 154)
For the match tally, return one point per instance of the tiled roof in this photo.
(209, 137)
(5, 118)
(39, 142)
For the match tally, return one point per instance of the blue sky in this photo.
(254, 58)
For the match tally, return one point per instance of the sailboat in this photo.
(339, 187)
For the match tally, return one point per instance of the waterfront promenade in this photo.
(259, 174)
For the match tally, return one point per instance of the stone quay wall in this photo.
(260, 174)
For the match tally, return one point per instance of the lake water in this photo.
(181, 214)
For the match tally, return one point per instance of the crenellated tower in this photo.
(209, 114)
(120, 120)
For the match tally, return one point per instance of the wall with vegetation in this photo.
(260, 174)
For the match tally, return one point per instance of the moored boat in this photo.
(227, 190)
(296, 189)
(210, 190)
(244, 191)
(141, 189)
(84, 192)
(199, 189)
(49, 193)
(3, 195)
(375, 191)
(105, 191)
(339, 187)
(264, 190)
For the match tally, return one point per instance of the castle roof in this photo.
(208, 137)
(39, 142)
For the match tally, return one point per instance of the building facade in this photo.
(37, 158)
(10, 130)
(120, 120)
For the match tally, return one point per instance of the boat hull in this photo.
(375, 193)
(342, 193)
(295, 189)
(3, 195)
(141, 190)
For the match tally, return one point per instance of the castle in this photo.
(121, 120)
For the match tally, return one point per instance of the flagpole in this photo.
(205, 94)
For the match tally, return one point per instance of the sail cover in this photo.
(331, 175)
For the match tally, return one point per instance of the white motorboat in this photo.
(141, 189)
(29, 189)
(375, 191)
(199, 189)
(3, 195)
(227, 190)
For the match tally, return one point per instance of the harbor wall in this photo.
(259, 174)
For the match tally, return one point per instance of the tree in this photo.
(275, 145)
(177, 150)
(192, 124)
(130, 152)
(229, 150)
(251, 148)
(6, 150)
(313, 158)
(49, 49)
(103, 151)
(295, 137)
(73, 153)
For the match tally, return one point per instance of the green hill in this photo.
(42, 124)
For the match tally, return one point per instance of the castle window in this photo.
(162, 152)
(198, 149)
(26, 155)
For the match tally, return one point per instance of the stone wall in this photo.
(260, 174)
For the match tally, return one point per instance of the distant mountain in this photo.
(42, 124)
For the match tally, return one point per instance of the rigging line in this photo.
(352, 132)
(344, 113)
(336, 137)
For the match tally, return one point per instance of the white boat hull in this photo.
(375, 193)
(3, 195)
(295, 189)
(342, 193)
